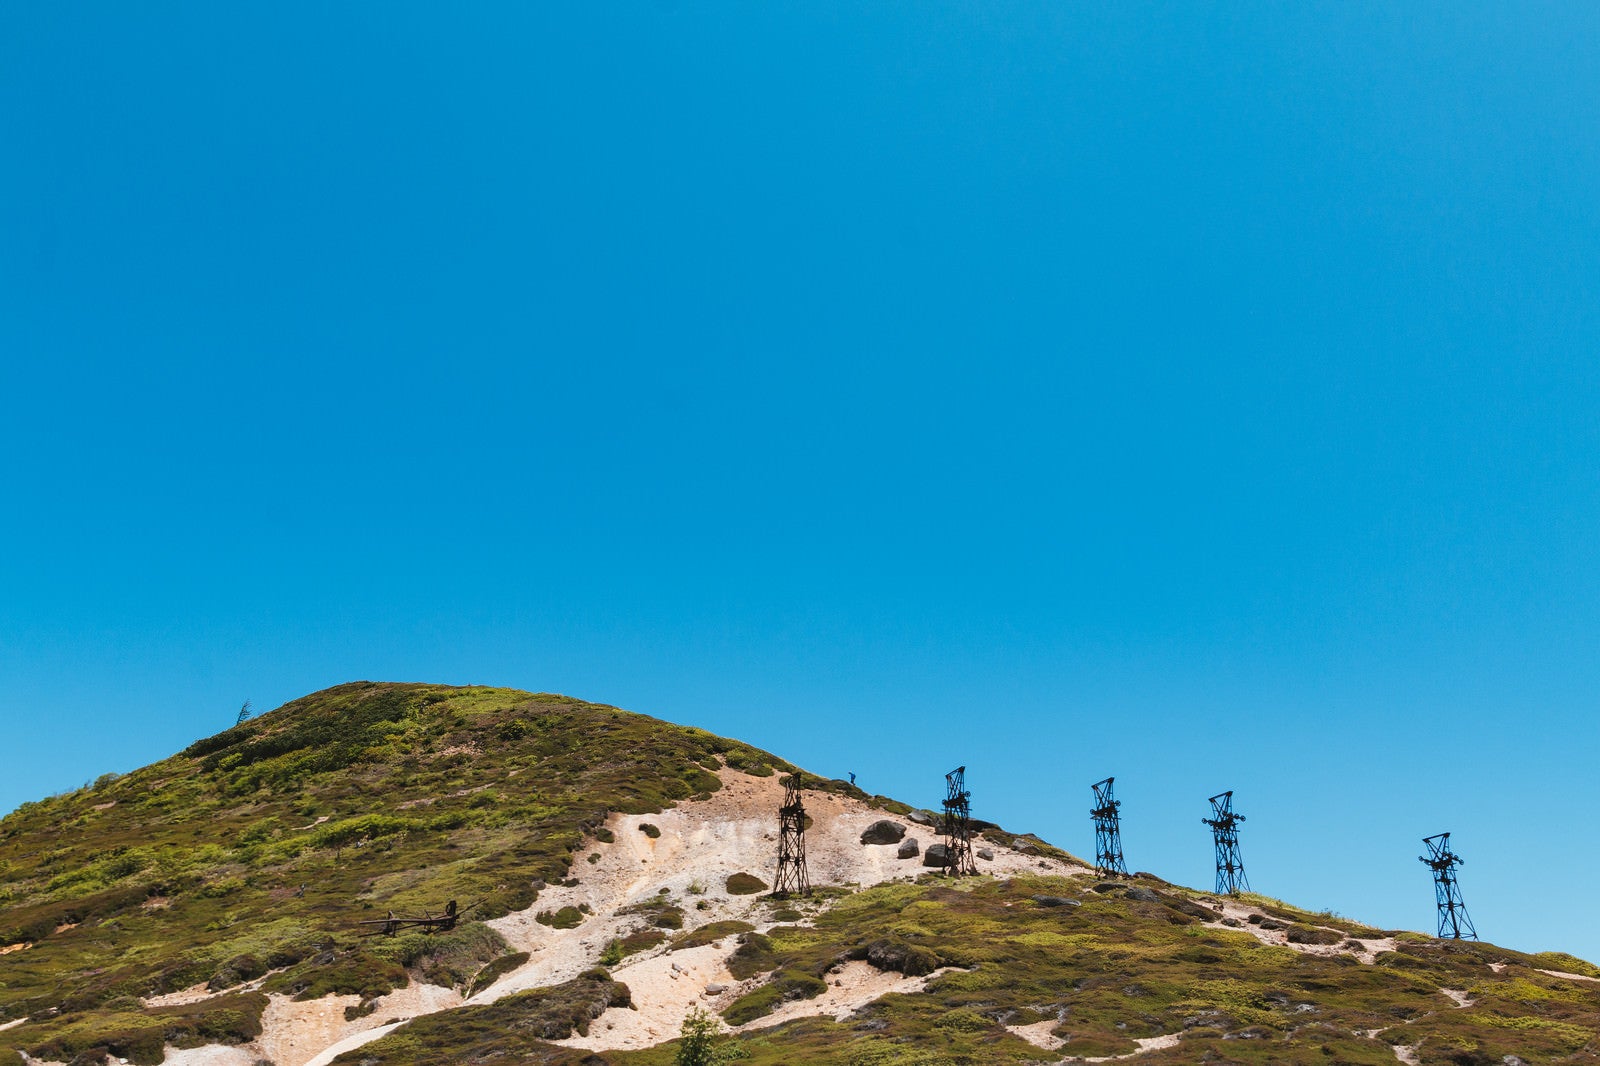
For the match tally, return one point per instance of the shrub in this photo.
(963, 1020)
(710, 933)
(511, 731)
(754, 955)
(565, 918)
(743, 884)
(496, 970)
(642, 940)
(701, 1042)
(783, 985)
(1306, 934)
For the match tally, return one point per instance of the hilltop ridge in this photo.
(612, 869)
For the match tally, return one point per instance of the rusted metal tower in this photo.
(1107, 831)
(957, 825)
(1453, 920)
(1224, 825)
(792, 878)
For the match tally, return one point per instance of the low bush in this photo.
(781, 986)
(710, 933)
(565, 918)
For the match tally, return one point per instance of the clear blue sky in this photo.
(1206, 396)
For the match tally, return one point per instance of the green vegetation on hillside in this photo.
(1101, 970)
(247, 862)
(514, 1029)
(1117, 968)
(252, 855)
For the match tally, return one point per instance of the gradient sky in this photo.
(1204, 395)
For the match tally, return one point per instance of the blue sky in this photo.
(1204, 395)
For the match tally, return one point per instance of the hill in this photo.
(612, 871)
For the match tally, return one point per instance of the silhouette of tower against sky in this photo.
(1453, 921)
(1224, 825)
(1108, 860)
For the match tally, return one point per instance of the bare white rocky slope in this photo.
(698, 845)
(701, 843)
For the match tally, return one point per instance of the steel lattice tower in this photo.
(792, 876)
(1453, 920)
(1107, 831)
(1225, 833)
(957, 827)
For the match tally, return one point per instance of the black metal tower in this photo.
(1225, 833)
(792, 877)
(1107, 831)
(1453, 920)
(957, 827)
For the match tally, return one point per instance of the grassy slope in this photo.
(1113, 969)
(188, 871)
(260, 848)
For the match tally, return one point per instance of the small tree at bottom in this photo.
(701, 1042)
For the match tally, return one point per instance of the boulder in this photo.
(935, 855)
(901, 957)
(986, 855)
(1056, 901)
(1109, 886)
(909, 849)
(715, 989)
(1192, 909)
(923, 818)
(1143, 895)
(883, 831)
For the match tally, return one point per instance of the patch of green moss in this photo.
(781, 986)
(496, 970)
(565, 918)
(1560, 960)
(515, 1028)
(710, 933)
(140, 1035)
(641, 940)
(753, 956)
